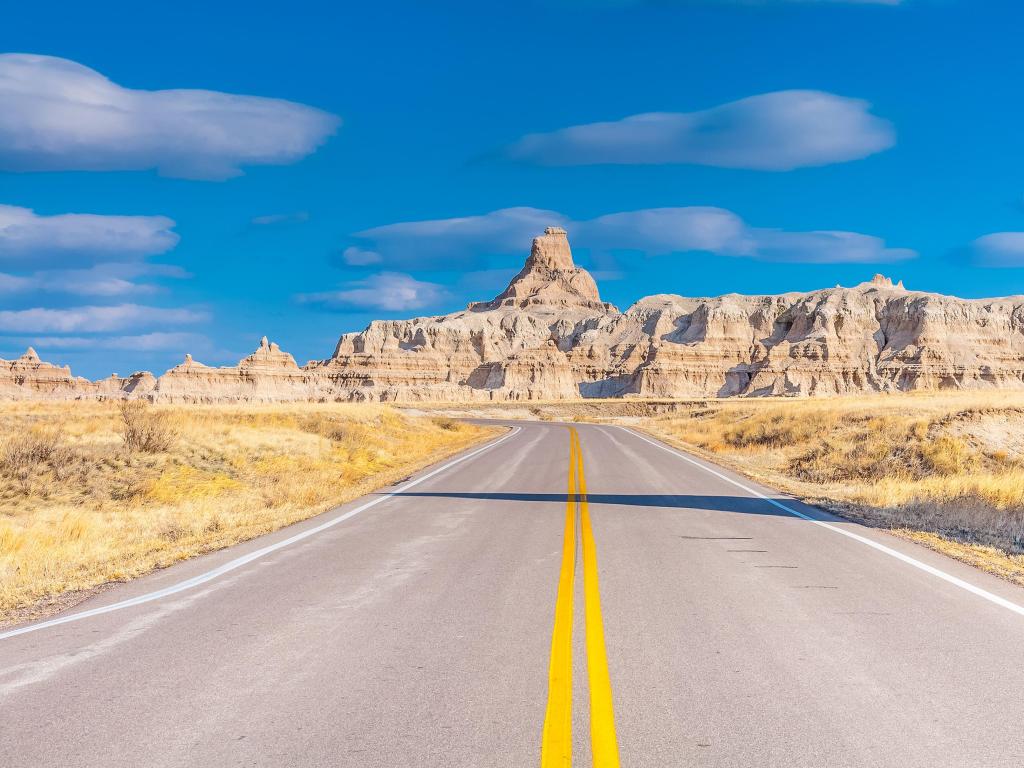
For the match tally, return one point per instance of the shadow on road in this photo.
(743, 504)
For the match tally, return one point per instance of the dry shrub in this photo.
(334, 431)
(872, 449)
(445, 423)
(34, 453)
(776, 428)
(145, 429)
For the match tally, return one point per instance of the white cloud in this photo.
(89, 282)
(660, 231)
(146, 342)
(771, 132)
(58, 115)
(101, 280)
(76, 282)
(824, 247)
(654, 231)
(79, 238)
(666, 230)
(92, 319)
(1000, 249)
(389, 291)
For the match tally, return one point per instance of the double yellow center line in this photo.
(556, 742)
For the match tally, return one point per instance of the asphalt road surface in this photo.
(621, 600)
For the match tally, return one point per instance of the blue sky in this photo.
(189, 177)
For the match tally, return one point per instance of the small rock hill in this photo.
(549, 336)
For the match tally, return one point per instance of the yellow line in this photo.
(556, 742)
(603, 743)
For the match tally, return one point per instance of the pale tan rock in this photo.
(28, 377)
(876, 336)
(267, 375)
(551, 278)
(139, 384)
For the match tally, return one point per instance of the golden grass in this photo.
(945, 469)
(84, 502)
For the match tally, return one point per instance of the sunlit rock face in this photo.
(267, 375)
(28, 377)
(550, 278)
(549, 336)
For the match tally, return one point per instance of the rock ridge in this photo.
(549, 336)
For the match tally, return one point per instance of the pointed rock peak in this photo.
(188, 365)
(267, 348)
(881, 282)
(268, 353)
(552, 250)
(30, 355)
(550, 278)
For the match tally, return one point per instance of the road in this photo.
(456, 621)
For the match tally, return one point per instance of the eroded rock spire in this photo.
(550, 277)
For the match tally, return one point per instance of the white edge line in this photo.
(238, 562)
(992, 598)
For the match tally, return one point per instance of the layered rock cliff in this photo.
(549, 335)
(267, 375)
(28, 377)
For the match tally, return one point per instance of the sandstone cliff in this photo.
(28, 377)
(548, 335)
(267, 375)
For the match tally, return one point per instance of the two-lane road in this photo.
(419, 628)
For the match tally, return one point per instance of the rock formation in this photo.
(267, 375)
(550, 278)
(549, 336)
(28, 377)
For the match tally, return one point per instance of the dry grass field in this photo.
(946, 469)
(92, 492)
(96, 492)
